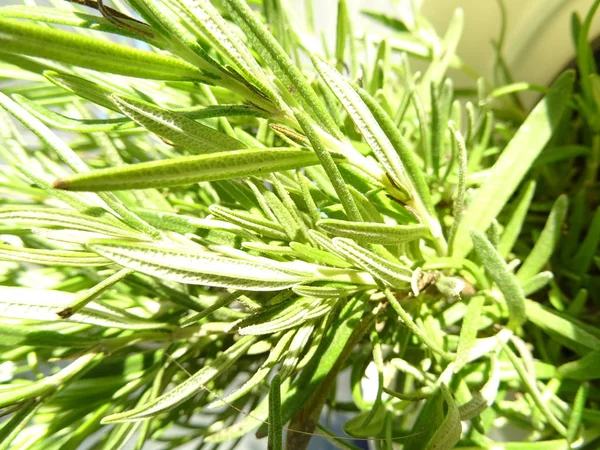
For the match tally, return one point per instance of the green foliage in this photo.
(205, 221)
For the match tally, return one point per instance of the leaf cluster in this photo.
(206, 217)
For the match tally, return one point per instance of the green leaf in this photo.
(558, 154)
(50, 383)
(514, 162)
(531, 387)
(168, 221)
(440, 111)
(587, 249)
(468, 331)
(436, 71)
(45, 305)
(69, 18)
(275, 423)
(473, 407)
(223, 37)
(291, 316)
(329, 350)
(51, 257)
(365, 121)
(332, 171)
(461, 188)
(176, 127)
(188, 388)
(201, 267)
(429, 419)
(374, 233)
(35, 216)
(342, 36)
(83, 88)
(250, 222)
(563, 325)
(29, 39)
(385, 19)
(286, 216)
(356, 426)
(368, 211)
(190, 169)
(333, 291)
(319, 256)
(276, 58)
(546, 243)
(449, 431)
(43, 335)
(577, 412)
(585, 58)
(536, 282)
(12, 428)
(513, 227)
(56, 120)
(583, 369)
(93, 293)
(506, 281)
(274, 356)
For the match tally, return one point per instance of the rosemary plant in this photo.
(207, 217)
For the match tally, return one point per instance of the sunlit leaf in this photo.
(189, 169)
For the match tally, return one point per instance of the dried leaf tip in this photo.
(60, 183)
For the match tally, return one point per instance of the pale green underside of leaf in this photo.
(190, 169)
(195, 267)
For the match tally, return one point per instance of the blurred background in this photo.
(537, 40)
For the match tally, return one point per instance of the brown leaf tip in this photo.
(65, 313)
(59, 184)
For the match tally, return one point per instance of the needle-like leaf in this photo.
(189, 169)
